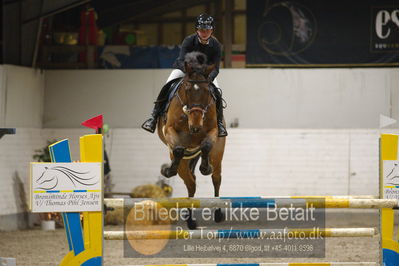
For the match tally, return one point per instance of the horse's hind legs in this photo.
(191, 187)
(189, 180)
(216, 180)
(191, 223)
(171, 170)
(205, 167)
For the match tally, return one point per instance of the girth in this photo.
(189, 153)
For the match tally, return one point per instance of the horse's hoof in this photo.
(191, 224)
(206, 170)
(219, 216)
(166, 171)
(188, 216)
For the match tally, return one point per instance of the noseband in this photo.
(195, 107)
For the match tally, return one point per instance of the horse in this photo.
(190, 131)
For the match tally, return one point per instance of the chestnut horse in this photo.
(190, 131)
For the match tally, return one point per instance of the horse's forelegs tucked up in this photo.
(188, 177)
(171, 170)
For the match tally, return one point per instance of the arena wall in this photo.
(21, 97)
(256, 162)
(21, 107)
(327, 150)
(258, 98)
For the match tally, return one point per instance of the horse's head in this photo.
(196, 87)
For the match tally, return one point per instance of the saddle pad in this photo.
(172, 91)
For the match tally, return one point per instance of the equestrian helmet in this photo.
(205, 21)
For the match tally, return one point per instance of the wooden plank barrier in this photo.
(246, 233)
(258, 202)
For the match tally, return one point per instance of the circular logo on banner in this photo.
(143, 223)
(288, 28)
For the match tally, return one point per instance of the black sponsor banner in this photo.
(322, 33)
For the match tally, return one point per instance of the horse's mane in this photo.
(196, 60)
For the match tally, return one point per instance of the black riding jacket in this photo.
(212, 50)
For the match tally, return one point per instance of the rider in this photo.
(201, 41)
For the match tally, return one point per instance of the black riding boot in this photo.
(151, 123)
(222, 132)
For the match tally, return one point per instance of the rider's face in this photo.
(204, 34)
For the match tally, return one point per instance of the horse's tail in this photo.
(193, 163)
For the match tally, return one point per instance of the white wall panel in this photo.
(24, 89)
(259, 98)
(332, 151)
(16, 154)
(124, 96)
(256, 162)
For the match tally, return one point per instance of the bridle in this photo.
(195, 107)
